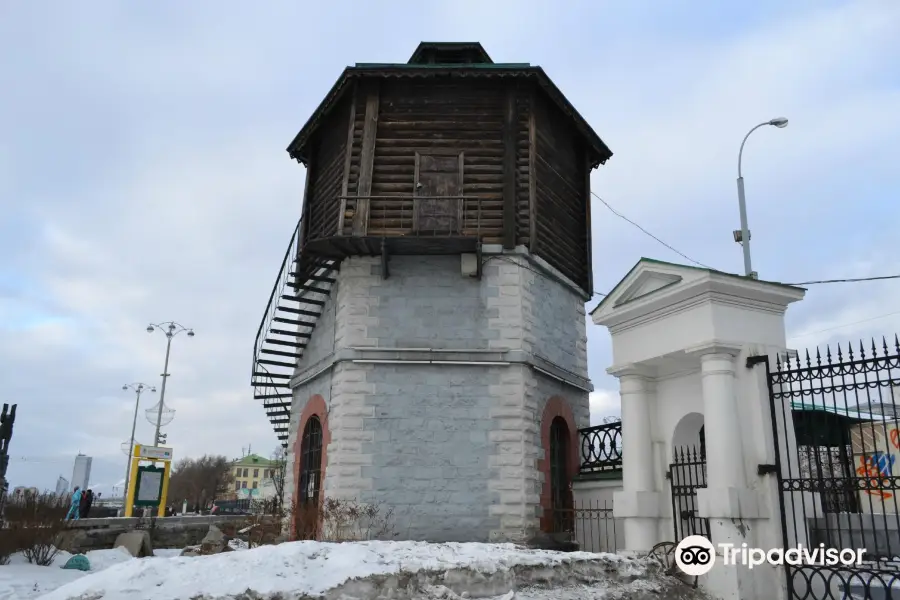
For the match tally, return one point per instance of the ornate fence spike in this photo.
(874, 349)
(884, 345)
(827, 354)
(896, 344)
(808, 360)
(818, 357)
(862, 350)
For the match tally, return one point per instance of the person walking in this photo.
(87, 498)
(75, 507)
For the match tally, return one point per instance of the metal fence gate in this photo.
(686, 475)
(835, 421)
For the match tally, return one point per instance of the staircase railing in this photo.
(265, 324)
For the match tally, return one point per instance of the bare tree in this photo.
(199, 481)
(279, 471)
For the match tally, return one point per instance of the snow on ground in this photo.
(20, 580)
(298, 568)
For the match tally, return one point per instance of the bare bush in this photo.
(305, 520)
(341, 520)
(36, 523)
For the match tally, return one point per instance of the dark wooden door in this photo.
(438, 208)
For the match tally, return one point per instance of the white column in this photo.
(638, 502)
(724, 451)
(727, 502)
(637, 448)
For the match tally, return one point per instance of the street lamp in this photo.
(743, 236)
(171, 329)
(138, 388)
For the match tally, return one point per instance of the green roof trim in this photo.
(461, 66)
(645, 260)
(600, 152)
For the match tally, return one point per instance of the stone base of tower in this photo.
(433, 390)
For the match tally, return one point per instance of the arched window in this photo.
(311, 461)
(560, 496)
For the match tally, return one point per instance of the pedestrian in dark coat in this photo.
(87, 498)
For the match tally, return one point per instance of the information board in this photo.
(148, 490)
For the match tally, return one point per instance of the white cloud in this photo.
(604, 403)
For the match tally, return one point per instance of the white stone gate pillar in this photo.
(689, 331)
(638, 502)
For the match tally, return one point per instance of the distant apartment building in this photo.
(250, 473)
(21, 492)
(81, 474)
(62, 486)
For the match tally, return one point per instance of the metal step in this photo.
(272, 375)
(284, 343)
(305, 334)
(269, 384)
(276, 363)
(309, 288)
(298, 311)
(311, 277)
(271, 396)
(297, 355)
(303, 300)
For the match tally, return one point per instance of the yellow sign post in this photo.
(148, 485)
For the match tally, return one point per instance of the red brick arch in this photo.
(555, 407)
(315, 407)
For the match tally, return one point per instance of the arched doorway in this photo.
(561, 501)
(687, 474)
(310, 462)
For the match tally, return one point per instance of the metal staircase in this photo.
(295, 304)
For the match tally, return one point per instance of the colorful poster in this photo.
(876, 454)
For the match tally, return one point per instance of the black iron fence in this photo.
(601, 448)
(686, 475)
(835, 420)
(589, 524)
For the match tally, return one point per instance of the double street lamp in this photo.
(743, 236)
(138, 389)
(170, 329)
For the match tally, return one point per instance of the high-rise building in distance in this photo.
(81, 474)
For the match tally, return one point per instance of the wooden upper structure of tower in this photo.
(446, 152)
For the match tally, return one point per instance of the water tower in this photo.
(423, 347)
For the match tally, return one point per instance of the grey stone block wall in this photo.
(556, 323)
(451, 448)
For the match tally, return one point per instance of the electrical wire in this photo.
(842, 325)
(851, 280)
(669, 246)
(685, 256)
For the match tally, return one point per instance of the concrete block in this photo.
(137, 543)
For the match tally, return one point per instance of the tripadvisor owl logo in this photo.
(695, 555)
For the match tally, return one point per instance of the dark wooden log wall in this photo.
(439, 116)
(560, 193)
(327, 172)
(550, 185)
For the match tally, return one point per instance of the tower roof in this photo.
(449, 53)
(463, 60)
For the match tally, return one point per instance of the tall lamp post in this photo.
(138, 389)
(743, 236)
(171, 329)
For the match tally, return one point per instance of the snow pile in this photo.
(300, 569)
(20, 580)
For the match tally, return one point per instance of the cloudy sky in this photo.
(143, 178)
